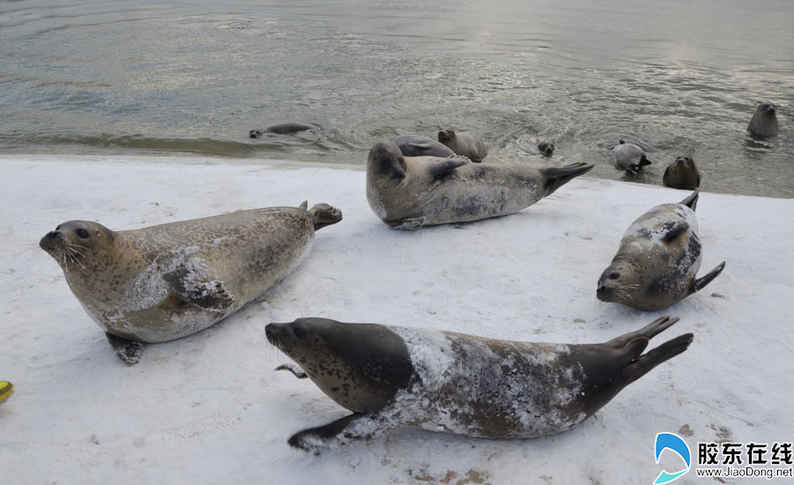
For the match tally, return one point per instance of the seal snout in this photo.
(275, 333)
(51, 240)
(603, 293)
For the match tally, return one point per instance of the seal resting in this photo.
(164, 282)
(458, 383)
(629, 157)
(282, 129)
(658, 259)
(422, 146)
(763, 124)
(464, 144)
(682, 174)
(412, 192)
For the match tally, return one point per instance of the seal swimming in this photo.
(164, 282)
(282, 129)
(422, 146)
(464, 144)
(457, 383)
(412, 192)
(682, 174)
(629, 157)
(658, 259)
(763, 124)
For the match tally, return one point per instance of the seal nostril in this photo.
(52, 234)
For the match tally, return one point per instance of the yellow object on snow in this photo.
(6, 389)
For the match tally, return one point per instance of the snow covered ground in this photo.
(210, 409)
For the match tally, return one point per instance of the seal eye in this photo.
(614, 276)
(82, 233)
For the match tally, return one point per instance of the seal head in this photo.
(764, 124)
(682, 174)
(465, 144)
(79, 245)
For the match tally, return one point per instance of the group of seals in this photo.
(164, 282)
(458, 383)
(411, 192)
(658, 259)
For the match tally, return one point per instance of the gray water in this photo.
(110, 76)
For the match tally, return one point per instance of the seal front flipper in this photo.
(699, 283)
(355, 427)
(209, 295)
(296, 371)
(672, 231)
(409, 224)
(442, 169)
(128, 350)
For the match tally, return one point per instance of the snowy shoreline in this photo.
(210, 409)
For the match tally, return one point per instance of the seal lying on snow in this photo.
(763, 124)
(629, 157)
(658, 259)
(164, 282)
(464, 144)
(457, 383)
(422, 146)
(411, 192)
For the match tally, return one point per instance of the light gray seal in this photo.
(422, 146)
(411, 192)
(457, 383)
(682, 174)
(164, 282)
(763, 124)
(658, 259)
(629, 157)
(465, 144)
(282, 129)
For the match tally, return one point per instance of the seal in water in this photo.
(464, 144)
(411, 192)
(282, 129)
(682, 174)
(458, 383)
(658, 259)
(629, 157)
(763, 124)
(422, 146)
(164, 282)
(546, 147)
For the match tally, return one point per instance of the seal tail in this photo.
(325, 215)
(554, 177)
(699, 283)
(692, 200)
(656, 356)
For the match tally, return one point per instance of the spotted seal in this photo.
(763, 124)
(164, 282)
(629, 157)
(411, 192)
(457, 383)
(465, 144)
(658, 259)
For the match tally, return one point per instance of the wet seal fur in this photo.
(412, 192)
(422, 146)
(763, 124)
(658, 259)
(682, 174)
(464, 144)
(168, 281)
(458, 383)
(629, 157)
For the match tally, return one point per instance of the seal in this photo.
(422, 146)
(763, 124)
(682, 174)
(546, 147)
(464, 144)
(412, 192)
(282, 129)
(658, 259)
(164, 282)
(629, 157)
(457, 383)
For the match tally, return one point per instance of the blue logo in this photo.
(674, 443)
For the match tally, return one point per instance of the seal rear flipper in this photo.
(644, 161)
(554, 178)
(645, 333)
(699, 283)
(656, 356)
(325, 215)
(442, 169)
(209, 295)
(129, 351)
(354, 427)
(692, 200)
